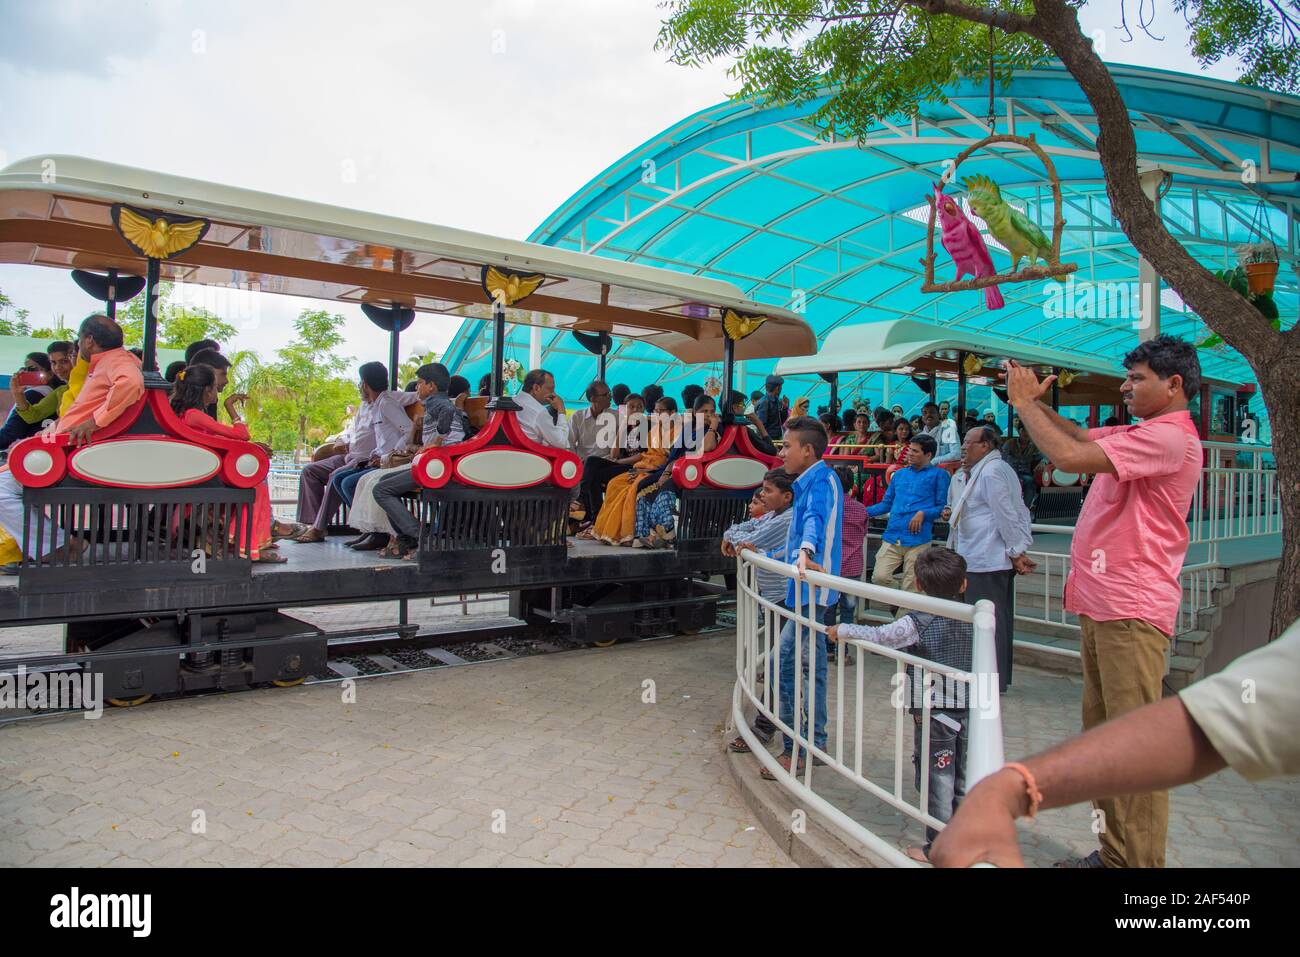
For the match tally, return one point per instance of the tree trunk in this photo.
(1273, 356)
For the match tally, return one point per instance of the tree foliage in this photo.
(178, 324)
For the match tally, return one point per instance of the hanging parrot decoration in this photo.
(1012, 228)
(966, 246)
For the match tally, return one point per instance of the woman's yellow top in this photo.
(76, 379)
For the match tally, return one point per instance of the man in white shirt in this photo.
(382, 426)
(943, 432)
(536, 400)
(989, 527)
(593, 430)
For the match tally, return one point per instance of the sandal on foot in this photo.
(917, 853)
(739, 746)
(784, 761)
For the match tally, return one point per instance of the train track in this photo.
(492, 639)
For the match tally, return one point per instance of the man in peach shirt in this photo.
(113, 385)
(1126, 556)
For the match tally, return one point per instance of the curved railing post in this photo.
(984, 754)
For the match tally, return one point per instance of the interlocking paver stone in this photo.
(413, 772)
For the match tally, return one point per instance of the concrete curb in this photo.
(819, 845)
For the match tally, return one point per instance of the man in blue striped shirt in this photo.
(915, 498)
(814, 538)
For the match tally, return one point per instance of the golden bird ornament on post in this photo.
(739, 325)
(508, 287)
(157, 235)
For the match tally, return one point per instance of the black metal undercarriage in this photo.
(136, 613)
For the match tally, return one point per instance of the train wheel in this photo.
(689, 631)
(291, 683)
(606, 644)
(129, 702)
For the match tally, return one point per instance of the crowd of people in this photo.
(1127, 602)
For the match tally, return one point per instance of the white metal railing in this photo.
(757, 618)
(1237, 497)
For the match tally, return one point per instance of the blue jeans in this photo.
(819, 683)
(947, 765)
(345, 482)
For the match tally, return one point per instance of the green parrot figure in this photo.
(1009, 226)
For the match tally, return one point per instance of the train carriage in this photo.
(159, 596)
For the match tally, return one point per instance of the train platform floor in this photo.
(560, 759)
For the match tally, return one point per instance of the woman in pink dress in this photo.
(194, 391)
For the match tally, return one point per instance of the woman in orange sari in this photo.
(194, 391)
(616, 521)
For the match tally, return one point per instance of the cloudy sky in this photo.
(483, 115)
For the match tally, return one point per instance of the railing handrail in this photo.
(984, 736)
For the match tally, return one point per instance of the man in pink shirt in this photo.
(113, 385)
(1126, 555)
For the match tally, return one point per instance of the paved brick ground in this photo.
(585, 773)
(1222, 821)
(560, 749)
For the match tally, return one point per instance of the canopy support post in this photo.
(602, 364)
(499, 398)
(393, 336)
(1056, 389)
(110, 306)
(149, 359)
(728, 373)
(961, 390)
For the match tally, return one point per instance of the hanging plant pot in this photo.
(1260, 277)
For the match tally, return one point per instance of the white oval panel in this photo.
(736, 472)
(434, 468)
(38, 462)
(569, 469)
(1065, 479)
(503, 468)
(139, 463)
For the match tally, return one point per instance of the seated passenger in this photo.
(173, 370)
(443, 424)
(381, 426)
(221, 366)
(656, 501)
(541, 411)
(616, 521)
(596, 472)
(367, 515)
(194, 391)
(39, 395)
(113, 384)
(757, 434)
(593, 434)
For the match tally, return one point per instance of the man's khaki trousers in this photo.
(1123, 669)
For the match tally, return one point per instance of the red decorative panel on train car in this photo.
(499, 457)
(733, 464)
(176, 456)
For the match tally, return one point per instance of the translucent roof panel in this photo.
(835, 229)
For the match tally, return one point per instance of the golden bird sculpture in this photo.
(738, 325)
(157, 235)
(972, 364)
(1065, 377)
(509, 287)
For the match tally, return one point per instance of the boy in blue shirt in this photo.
(915, 498)
(814, 539)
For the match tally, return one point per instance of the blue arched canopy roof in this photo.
(837, 228)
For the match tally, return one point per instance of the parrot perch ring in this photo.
(987, 190)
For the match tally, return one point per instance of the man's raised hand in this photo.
(1023, 387)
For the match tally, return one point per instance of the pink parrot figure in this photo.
(966, 246)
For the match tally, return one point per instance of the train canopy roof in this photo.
(57, 211)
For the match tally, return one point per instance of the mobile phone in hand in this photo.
(27, 379)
